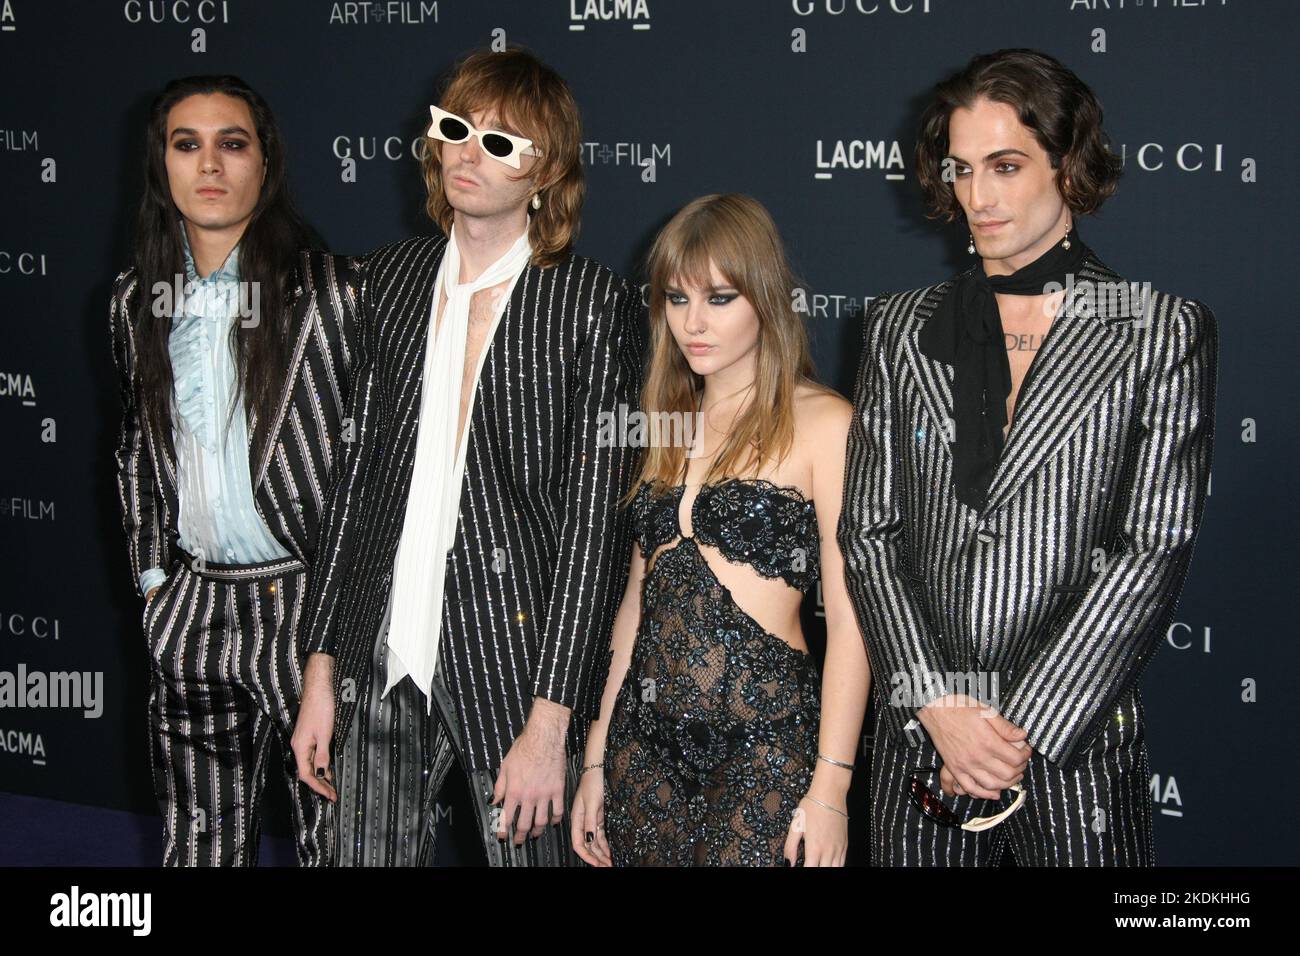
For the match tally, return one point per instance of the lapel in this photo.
(418, 325)
(301, 334)
(935, 378)
(1089, 343)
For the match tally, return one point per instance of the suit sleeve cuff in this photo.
(151, 579)
(321, 644)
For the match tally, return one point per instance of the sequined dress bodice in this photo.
(772, 528)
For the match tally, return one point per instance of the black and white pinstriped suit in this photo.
(224, 638)
(541, 552)
(292, 477)
(1063, 584)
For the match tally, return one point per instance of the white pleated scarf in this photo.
(433, 506)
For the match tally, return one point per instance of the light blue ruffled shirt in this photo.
(218, 518)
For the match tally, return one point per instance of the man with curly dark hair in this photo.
(1013, 582)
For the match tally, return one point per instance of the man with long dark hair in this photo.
(1028, 466)
(233, 341)
(474, 555)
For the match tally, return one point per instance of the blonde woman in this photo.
(717, 743)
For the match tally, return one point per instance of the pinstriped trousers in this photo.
(393, 768)
(1099, 814)
(225, 679)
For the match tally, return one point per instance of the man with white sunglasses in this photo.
(471, 559)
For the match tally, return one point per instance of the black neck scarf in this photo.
(966, 333)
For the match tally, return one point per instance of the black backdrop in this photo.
(722, 95)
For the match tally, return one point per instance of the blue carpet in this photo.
(35, 831)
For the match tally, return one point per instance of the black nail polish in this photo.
(320, 773)
(590, 836)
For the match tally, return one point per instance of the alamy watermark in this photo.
(128, 910)
(915, 689)
(638, 429)
(243, 299)
(57, 689)
(1130, 300)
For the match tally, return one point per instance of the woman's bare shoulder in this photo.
(821, 412)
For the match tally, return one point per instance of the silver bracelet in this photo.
(826, 805)
(837, 763)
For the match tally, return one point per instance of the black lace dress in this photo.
(713, 738)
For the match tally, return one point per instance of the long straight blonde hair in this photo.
(738, 236)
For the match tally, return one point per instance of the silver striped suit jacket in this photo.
(1065, 582)
(541, 554)
(292, 477)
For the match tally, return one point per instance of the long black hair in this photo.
(268, 256)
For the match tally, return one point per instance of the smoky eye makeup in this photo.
(187, 144)
(716, 298)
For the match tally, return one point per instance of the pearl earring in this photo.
(1066, 243)
(537, 200)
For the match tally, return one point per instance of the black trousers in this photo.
(226, 679)
(1098, 814)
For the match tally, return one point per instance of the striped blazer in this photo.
(1065, 582)
(292, 478)
(541, 553)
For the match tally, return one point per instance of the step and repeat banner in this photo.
(808, 105)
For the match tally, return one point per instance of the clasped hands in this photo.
(983, 753)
